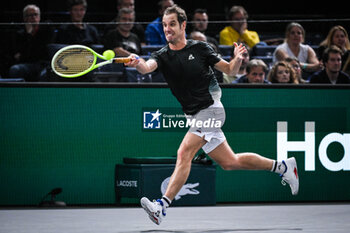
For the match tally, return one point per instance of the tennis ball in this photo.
(108, 54)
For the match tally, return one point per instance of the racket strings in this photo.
(73, 61)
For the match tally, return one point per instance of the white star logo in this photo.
(156, 115)
(191, 57)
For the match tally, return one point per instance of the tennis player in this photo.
(186, 66)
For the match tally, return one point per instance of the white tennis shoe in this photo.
(155, 209)
(290, 175)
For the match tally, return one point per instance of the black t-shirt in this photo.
(322, 77)
(114, 39)
(70, 34)
(32, 48)
(189, 74)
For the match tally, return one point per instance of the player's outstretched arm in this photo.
(141, 65)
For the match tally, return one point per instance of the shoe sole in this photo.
(144, 203)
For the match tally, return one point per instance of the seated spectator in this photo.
(256, 71)
(238, 30)
(294, 47)
(332, 73)
(28, 50)
(295, 64)
(154, 33)
(282, 72)
(242, 69)
(136, 29)
(200, 19)
(78, 32)
(337, 36)
(196, 35)
(121, 39)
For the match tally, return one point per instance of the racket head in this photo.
(73, 61)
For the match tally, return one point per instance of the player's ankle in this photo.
(278, 167)
(166, 201)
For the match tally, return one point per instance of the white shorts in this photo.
(207, 124)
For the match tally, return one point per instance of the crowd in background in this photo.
(27, 55)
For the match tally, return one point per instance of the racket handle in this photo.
(121, 60)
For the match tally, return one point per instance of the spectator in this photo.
(293, 47)
(337, 36)
(332, 73)
(200, 19)
(154, 33)
(238, 30)
(242, 69)
(256, 71)
(121, 39)
(282, 72)
(295, 64)
(28, 47)
(197, 35)
(77, 32)
(136, 29)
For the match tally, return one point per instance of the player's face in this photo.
(172, 29)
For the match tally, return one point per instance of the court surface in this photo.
(279, 218)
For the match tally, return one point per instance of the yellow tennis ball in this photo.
(109, 54)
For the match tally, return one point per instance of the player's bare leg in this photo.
(228, 160)
(188, 148)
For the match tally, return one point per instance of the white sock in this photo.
(166, 201)
(278, 167)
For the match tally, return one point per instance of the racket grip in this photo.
(121, 60)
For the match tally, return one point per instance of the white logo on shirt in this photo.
(191, 57)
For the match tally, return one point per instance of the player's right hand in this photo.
(134, 60)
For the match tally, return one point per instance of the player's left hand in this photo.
(239, 50)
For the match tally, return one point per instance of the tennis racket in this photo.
(76, 60)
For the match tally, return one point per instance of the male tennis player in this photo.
(186, 66)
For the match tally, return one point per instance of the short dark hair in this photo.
(200, 11)
(331, 49)
(72, 3)
(256, 63)
(236, 9)
(175, 9)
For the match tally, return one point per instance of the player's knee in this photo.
(231, 164)
(228, 166)
(184, 155)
